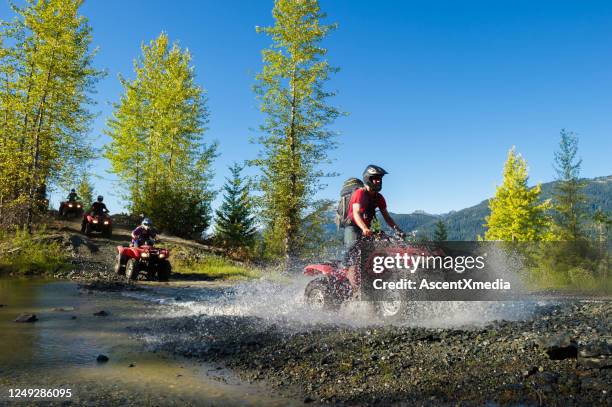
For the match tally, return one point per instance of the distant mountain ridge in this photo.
(467, 224)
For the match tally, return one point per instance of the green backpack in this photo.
(349, 186)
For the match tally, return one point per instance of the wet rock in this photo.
(327, 359)
(63, 309)
(73, 317)
(527, 373)
(2, 305)
(131, 365)
(307, 348)
(560, 346)
(308, 399)
(101, 313)
(26, 318)
(597, 355)
(592, 383)
(102, 358)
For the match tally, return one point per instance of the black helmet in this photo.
(72, 190)
(373, 171)
(100, 198)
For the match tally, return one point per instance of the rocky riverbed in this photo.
(560, 356)
(558, 353)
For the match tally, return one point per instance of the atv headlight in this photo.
(106, 222)
(70, 205)
(162, 255)
(78, 206)
(95, 221)
(145, 254)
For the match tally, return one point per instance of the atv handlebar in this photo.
(380, 236)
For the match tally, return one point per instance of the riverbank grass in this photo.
(27, 253)
(214, 267)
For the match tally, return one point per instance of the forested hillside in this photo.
(467, 224)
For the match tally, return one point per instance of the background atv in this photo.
(132, 261)
(71, 209)
(97, 223)
(331, 288)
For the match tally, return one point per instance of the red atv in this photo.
(97, 222)
(72, 209)
(132, 261)
(331, 288)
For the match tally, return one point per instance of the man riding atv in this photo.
(143, 233)
(361, 210)
(96, 208)
(72, 196)
(71, 204)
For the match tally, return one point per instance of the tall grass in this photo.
(214, 267)
(24, 253)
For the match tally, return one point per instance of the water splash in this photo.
(283, 304)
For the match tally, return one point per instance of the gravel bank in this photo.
(559, 357)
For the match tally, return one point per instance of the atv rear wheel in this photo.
(319, 295)
(132, 269)
(120, 261)
(164, 269)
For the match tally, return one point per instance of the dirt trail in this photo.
(93, 257)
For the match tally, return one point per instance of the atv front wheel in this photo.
(120, 264)
(132, 269)
(88, 229)
(392, 307)
(319, 295)
(108, 232)
(163, 271)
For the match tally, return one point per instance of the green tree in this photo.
(234, 224)
(46, 76)
(603, 222)
(296, 139)
(569, 200)
(85, 190)
(516, 211)
(440, 234)
(375, 226)
(157, 148)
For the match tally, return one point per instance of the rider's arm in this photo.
(134, 234)
(391, 222)
(388, 218)
(359, 221)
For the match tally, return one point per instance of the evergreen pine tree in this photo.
(375, 225)
(440, 234)
(602, 222)
(516, 213)
(295, 141)
(568, 198)
(234, 224)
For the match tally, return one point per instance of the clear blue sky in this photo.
(437, 92)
